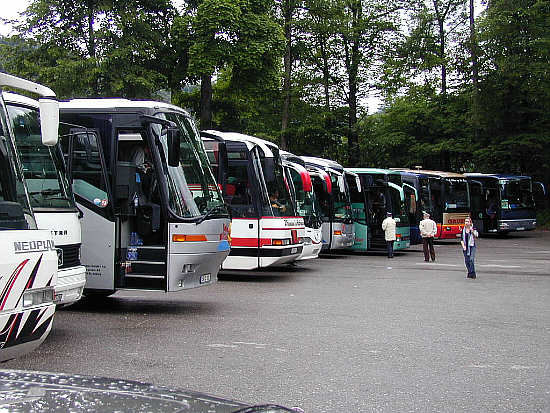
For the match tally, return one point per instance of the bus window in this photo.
(456, 194)
(517, 194)
(42, 165)
(322, 196)
(237, 190)
(279, 194)
(88, 179)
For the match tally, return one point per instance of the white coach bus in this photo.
(28, 267)
(265, 229)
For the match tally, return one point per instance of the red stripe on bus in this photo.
(250, 242)
(12, 280)
(283, 229)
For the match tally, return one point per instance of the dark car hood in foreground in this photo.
(50, 392)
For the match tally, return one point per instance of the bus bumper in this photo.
(70, 284)
(271, 255)
(311, 250)
(517, 225)
(193, 270)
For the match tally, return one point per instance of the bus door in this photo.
(322, 186)
(411, 209)
(477, 204)
(87, 169)
(359, 212)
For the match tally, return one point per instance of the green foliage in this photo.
(100, 48)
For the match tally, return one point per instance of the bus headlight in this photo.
(38, 296)
(280, 242)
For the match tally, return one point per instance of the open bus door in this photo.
(86, 166)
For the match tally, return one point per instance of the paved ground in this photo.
(345, 333)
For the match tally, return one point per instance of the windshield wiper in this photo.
(211, 212)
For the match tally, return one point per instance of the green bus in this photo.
(381, 191)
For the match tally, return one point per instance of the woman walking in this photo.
(468, 241)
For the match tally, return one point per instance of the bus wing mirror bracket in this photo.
(173, 140)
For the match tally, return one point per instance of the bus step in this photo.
(145, 267)
(145, 276)
(147, 253)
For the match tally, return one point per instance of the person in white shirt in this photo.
(428, 229)
(388, 226)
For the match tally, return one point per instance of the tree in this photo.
(99, 47)
(241, 36)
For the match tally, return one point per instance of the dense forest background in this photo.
(464, 86)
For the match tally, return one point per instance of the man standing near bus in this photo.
(388, 226)
(428, 229)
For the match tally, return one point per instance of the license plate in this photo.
(205, 278)
(294, 250)
(520, 229)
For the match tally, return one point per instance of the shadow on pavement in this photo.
(141, 305)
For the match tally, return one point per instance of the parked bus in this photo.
(265, 229)
(50, 193)
(502, 203)
(305, 203)
(337, 228)
(445, 195)
(28, 266)
(153, 217)
(383, 193)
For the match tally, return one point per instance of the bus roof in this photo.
(268, 147)
(495, 176)
(377, 171)
(427, 172)
(117, 104)
(323, 163)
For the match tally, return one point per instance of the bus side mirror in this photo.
(49, 121)
(174, 140)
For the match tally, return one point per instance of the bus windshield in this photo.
(456, 194)
(516, 194)
(43, 166)
(342, 202)
(194, 171)
(398, 206)
(280, 201)
(322, 196)
(306, 202)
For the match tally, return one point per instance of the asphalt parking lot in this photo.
(343, 333)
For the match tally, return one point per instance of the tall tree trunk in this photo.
(326, 73)
(353, 70)
(475, 75)
(442, 57)
(287, 13)
(91, 41)
(206, 101)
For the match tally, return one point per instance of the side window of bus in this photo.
(87, 174)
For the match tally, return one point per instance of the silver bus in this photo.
(153, 216)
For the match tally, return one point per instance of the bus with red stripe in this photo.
(265, 229)
(28, 264)
(334, 197)
(444, 195)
